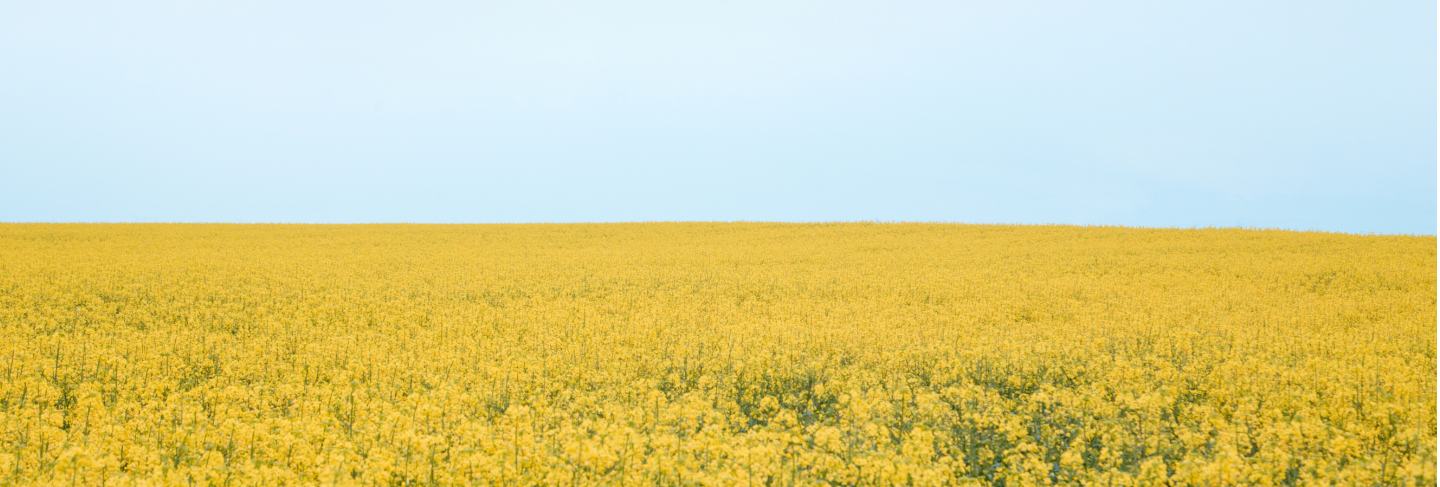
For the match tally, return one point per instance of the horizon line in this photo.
(723, 222)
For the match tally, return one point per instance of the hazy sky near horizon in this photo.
(1288, 113)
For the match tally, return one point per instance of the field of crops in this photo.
(714, 354)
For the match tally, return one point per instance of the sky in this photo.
(1296, 114)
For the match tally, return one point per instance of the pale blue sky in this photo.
(1308, 114)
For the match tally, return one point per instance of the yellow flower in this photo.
(713, 354)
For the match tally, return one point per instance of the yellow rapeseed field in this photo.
(721, 354)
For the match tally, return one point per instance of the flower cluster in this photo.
(714, 354)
